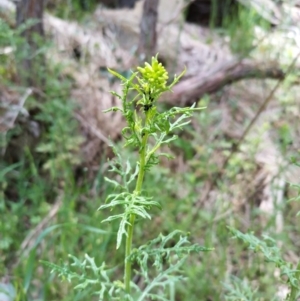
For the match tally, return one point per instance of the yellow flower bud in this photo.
(154, 75)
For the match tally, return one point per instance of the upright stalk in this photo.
(144, 122)
(138, 189)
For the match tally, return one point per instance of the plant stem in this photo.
(138, 189)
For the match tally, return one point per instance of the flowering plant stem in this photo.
(137, 191)
(147, 130)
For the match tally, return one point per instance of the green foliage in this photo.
(72, 9)
(10, 41)
(43, 177)
(14, 48)
(268, 247)
(6, 226)
(59, 144)
(27, 192)
(295, 161)
(157, 251)
(97, 278)
(241, 29)
(82, 275)
(239, 290)
(147, 130)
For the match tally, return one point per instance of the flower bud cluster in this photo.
(154, 77)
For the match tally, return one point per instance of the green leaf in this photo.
(177, 78)
(113, 109)
(115, 183)
(118, 75)
(122, 230)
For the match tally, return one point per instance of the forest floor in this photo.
(234, 163)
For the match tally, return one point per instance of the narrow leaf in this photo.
(118, 75)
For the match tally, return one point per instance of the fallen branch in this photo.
(193, 88)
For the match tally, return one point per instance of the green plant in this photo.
(72, 9)
(10, 41)
(44, 137)
(239, 290)
(241, 29)
(147, 131)
(267, 246)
